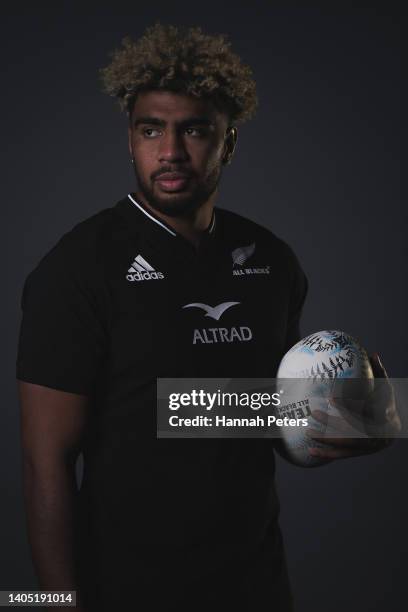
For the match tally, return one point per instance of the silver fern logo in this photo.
(241, 254)
(239, 258)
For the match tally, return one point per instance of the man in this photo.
(158, 524)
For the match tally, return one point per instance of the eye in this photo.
(150, 132)
(193, 131)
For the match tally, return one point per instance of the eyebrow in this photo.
(204, 121)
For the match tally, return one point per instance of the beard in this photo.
(183, 203)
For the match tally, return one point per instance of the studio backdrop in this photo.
(319, 165)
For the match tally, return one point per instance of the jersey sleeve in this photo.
(297, 300)
(63, 340)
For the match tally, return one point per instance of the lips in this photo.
(173, 181)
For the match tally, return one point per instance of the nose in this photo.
(172, 147)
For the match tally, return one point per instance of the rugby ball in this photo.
(322, 365)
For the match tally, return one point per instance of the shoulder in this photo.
(81, 248)
(87, 236)
(71, 275)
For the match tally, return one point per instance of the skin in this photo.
(173, 132)
(377, 416)
(52, 427)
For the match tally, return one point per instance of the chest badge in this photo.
(215, 312)
(240, 256)
(215, 335)
(141, 270)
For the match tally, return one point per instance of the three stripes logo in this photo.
(141, 270)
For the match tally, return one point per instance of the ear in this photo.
(230, 144)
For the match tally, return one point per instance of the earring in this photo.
(132, 161)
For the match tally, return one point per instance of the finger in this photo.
(320, 416)
(313, 433)
(377, 366)
(381, 401)
(331, 453)
(357, 445)
(354, 415)
(315, 452)
(333, 440)
(323, 417)
(331, 422)
(354, 406)
(379, 371)
(363, 415)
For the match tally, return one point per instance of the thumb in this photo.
(377, 366)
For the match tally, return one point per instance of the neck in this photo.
(190, 225)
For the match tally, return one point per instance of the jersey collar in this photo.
(159, 230)
(151, 216)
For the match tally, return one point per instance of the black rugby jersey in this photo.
(182, 522)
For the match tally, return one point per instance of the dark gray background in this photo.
(320, 165)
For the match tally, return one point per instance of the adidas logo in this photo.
(141, 270)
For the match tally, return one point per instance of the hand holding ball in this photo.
(321, 366)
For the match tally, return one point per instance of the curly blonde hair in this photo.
(184, 61)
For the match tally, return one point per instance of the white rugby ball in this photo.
(323, 364)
